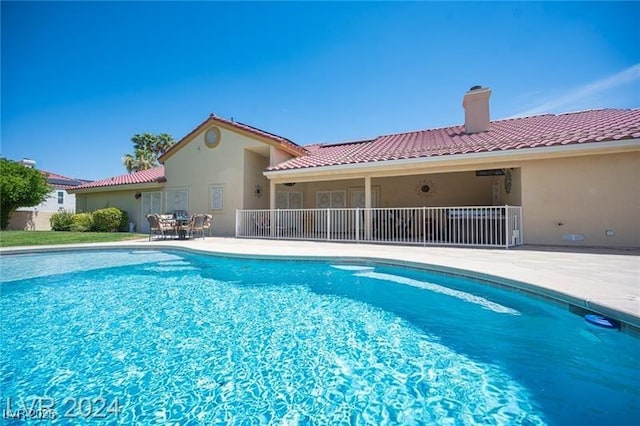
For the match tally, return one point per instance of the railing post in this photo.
(424, 226)
(237, 222)
(367, 224)
(520, 230)
(507, 231)
(277, 224)
(272, 221)
(357, 224)
(328, 224)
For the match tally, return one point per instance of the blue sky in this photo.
(79, 79)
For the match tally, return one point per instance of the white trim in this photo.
(510, 154)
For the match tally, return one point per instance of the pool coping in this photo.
(630, 322)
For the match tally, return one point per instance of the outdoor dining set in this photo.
(179, 225)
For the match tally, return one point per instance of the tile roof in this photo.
(510, 134)
(293, 147)
(155, 174)
(62, 182)
(259, 132)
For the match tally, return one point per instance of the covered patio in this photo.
(457, 207)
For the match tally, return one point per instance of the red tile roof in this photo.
(155, 174)
(529, 132)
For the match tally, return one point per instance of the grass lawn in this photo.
(39, 238)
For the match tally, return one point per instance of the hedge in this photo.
(61, 221)
(111, 219)
(82, 222)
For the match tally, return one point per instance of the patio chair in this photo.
(159, 226)
(195, 226)
(207, 223)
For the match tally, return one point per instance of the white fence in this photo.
(496, 226)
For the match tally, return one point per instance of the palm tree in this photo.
(147, 148)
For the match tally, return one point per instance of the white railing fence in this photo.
(495, 226)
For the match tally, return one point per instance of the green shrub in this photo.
(82, 222)
(61, 221)
(110, 219)
(124, 222)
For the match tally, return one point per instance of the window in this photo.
(357, 197)
(216, 196)
(330, 199)
(288, 200)
(177, 200)
(60, 197)
(151, 203)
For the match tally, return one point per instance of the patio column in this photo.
(367, 207)
(272, 195)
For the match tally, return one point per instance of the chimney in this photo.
(27, 163)
(476, 109)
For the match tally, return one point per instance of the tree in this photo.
(146, 150)
(20, 186)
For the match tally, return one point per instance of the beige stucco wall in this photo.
(124, 200)
(582, 195)
(447, 189)
(196, 167)
(513, 197)
(30, 221)
(278, 156)
(254, 165)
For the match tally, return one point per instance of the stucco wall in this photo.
(124, 200)
(197, 167)
(446, 189)
(254, 165)
(36, 218)
(50, 204)
(582, 195)
(514, 196)
(30, 221)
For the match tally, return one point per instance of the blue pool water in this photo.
(185, 338)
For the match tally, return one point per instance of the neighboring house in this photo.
(37, 217)
(575, 179)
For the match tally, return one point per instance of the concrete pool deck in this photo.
(606, 281)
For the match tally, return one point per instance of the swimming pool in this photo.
(172, 336)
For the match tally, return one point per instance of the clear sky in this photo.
(79, 79)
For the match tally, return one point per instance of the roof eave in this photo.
(122, 187)
(402, 166)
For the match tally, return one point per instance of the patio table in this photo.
(180, 225)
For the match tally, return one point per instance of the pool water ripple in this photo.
(179, 338)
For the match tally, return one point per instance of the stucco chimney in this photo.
(476, 109)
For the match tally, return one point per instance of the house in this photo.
(566, 179)
(59, 199)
